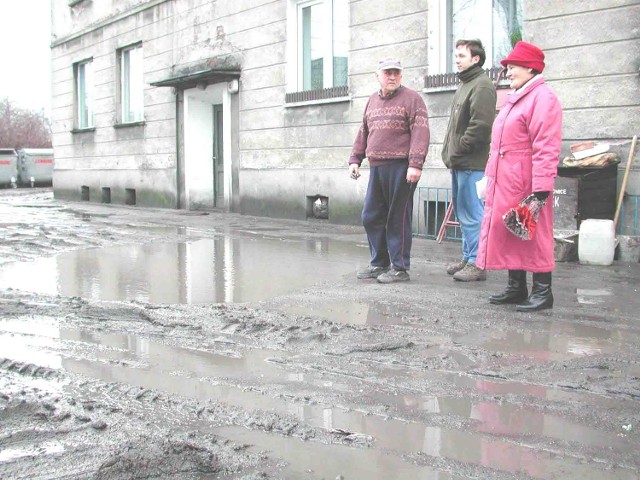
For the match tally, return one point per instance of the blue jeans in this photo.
(469, 209)
(387, 215)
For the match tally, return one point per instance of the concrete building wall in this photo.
(595, 69)
(593, 63)
(290, 155)
(140, 157)
(287, 155)
(73, 17)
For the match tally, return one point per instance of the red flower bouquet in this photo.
(522, 219)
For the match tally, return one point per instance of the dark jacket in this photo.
(466, 144)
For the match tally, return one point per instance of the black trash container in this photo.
(582, 193)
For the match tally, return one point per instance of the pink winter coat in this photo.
(525, 148)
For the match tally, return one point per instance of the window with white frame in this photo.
(321, 44)
(131, 84)
(83, 76)
(497, 23)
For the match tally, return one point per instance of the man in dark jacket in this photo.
(466, 150)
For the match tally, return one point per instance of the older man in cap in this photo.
(394, 137)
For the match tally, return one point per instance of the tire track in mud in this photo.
(35, 226)
(420, 397)
(136, 432)
(376, 377)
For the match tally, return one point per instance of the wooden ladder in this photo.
(447, 222)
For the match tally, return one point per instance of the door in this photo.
(218, 158)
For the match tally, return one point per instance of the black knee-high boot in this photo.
(516, 290)
(541, 296)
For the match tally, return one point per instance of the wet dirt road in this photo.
(142, 343)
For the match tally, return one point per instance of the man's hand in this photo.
(413, 174)
(354, 171)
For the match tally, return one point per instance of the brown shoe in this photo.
(470, 273)
(456, 267)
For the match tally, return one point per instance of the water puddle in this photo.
(30, 342)
(399, 375)
(513, 458)
(23, 341)
(317, 460)
(592, 296)
(558, 341)
(346, 312)
(467, 446)
(330, 461)
(502, 419)
(215, 270)
(46, 448)
(227, 376)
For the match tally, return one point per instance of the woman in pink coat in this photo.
(525, 148)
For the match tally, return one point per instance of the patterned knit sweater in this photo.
(395, 127)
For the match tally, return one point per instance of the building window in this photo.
(131, 86)
(320, 60)
(83, 75)
(497, 23)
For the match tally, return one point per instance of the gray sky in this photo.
(25, 58)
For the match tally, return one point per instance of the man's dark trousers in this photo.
(387, 215)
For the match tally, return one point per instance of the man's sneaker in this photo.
(372, 272)
(394, 275)
(456, 267)
(470, 273)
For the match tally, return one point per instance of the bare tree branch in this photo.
(20, 128)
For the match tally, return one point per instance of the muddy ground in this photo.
(143, 343)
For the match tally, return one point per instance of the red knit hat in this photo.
(526, 55)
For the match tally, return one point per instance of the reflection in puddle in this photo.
(65, 348)
(324, 461)
(223, 269)
(34, 351)
(504, 419)
(177, 360)
(46, 448)
(346, 312)
(557, 342)
(30, 341)
(316, 460)
(512, 457)
(592, 296)
(485, 386)
(201, 375)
